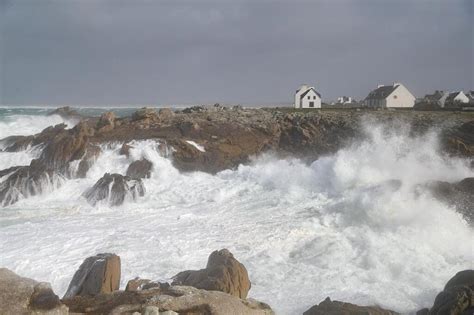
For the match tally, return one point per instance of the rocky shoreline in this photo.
(208, 139)
(221, 288)
(212, 139)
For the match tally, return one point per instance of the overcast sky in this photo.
(184, 52)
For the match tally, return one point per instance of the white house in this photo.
(456, 98)
(307, 97)
(396, 95)
(344, 100)
(438, 97)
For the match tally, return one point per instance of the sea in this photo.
(355, 225)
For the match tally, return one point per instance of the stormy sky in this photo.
(250, 52)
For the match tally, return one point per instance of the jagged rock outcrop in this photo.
(25, 181)
(125, 149)
(66, 112)
(328, 307)
(106, 122)
(222, 273)
(60, 148)
(114, 189)
(457, 298)
(459, 194)
(88, 159)
(97, 274)
(179, 299)
(20, 295)
(139, 169)
(66, 147)
(19, 143)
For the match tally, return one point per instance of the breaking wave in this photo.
(353, 225)
(23, 125)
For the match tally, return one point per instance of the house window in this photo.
(311, 104)
(309, 97)
(314, 97)
(395, 97)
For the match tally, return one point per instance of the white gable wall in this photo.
(400, 97)
(311, 100)
(301, 90)
(461, 98)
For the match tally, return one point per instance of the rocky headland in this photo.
(211, 139)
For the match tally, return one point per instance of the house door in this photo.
(311, 104)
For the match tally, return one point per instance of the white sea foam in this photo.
(349, 226)
(21, 125)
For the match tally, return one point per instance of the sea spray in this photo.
(349, 225)
(24, 125)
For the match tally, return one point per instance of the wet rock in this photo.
(20, 295)
(465, 277)
(222, 273)
(19, 143)
(115, 189)
(179, 299)
(145, 113)
(66, 112)
(92, 153)
(61, 147)
(140, 169)
(66, 147)
(328, 307)
(460, 141)
(25, 181)
(136, 284)
(457, 296)
(459, 194)
(97, 274)
(125, 150)
(106, 122)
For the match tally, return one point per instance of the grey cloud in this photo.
(129, 52)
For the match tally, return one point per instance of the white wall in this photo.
(462, 98)
(311, 97)
(301, 90)
(401, 97)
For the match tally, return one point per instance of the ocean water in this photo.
(354, 225)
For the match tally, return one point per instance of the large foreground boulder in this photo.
(97, 274)
(20, 295)
(328, 307)
(457, 298)
(222, 273)
(179, 299)
(115, 189)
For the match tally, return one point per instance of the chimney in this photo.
(396, 83)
